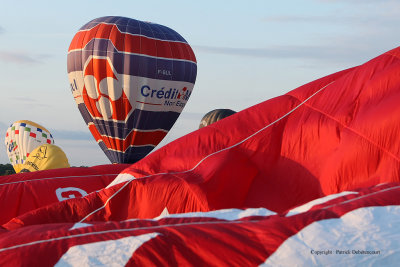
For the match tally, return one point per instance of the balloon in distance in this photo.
(45, 157)
(22, 137)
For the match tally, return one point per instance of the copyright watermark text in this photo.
(344, 252)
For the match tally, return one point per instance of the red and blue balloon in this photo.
(130, 79)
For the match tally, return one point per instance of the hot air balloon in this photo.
(45, 157)
(130, 79)
(22, 138)
(214, 116)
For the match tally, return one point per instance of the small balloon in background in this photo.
(214, 116)
(45, 157)
(22, 138)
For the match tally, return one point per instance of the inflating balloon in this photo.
(21, 138)
(130, 80)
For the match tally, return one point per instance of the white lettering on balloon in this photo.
(69, 192)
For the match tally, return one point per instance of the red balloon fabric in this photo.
(334, 134)
(24, 192)
(347, 229)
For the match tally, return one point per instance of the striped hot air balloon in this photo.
(22, 138)
(130, 79)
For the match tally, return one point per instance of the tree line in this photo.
(6, 169)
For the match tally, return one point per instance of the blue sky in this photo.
(247, 52)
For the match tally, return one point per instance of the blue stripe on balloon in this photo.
(142, 66)
(131, 155)
(85, 113)
(132, 26)
(139, 119)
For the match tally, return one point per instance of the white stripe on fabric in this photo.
(104, 253)
(133, 130)
(224, 214)
(318, 201)
(182, 224)
(114, 150)
(61, 177)
(240, 214)
(363, 237)
(362, 196)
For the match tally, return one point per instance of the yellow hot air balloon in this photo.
(45, 157)
(21, 138)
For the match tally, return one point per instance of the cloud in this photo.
(19, 58)
(356, 20)
(45, 56)
(363, 2)
(301, 19)
(30, 102)
(2, 30)
(23, 58)
(71, 135)
(191, 115)
(359, 13)
(314, 52)
(3, 125)
(3, 128)
(24, 99)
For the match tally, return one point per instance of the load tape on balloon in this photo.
(130, 80)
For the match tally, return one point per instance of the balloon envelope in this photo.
(45, 157)
(214, 116)
(130, 80)
(22, 137)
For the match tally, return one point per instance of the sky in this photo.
(247, 52)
